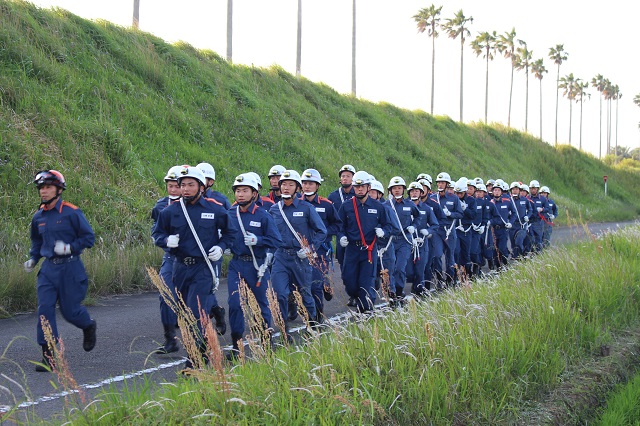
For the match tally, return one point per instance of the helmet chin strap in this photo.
(49, 201)
(174, 197)
(192, 198)
(415, 198)
(345, 185)
(244, 203)
(397, 197)
(286, 196)
(310, 194)
(275, 188)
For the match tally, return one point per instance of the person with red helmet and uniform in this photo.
(59, 233)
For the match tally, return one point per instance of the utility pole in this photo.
(353, 52)
(136, 14)
(230, 30)
(299, 47)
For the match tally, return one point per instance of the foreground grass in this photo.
(623, 408)
(481, 355)
(114, 108)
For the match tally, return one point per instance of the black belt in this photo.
(63, 259)
(190, 261)
(243, 257)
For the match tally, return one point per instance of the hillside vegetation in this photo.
(113, 109)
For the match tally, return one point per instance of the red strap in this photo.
(364, 242)
(544, 220)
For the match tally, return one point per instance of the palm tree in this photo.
(558, 55)
(568, 84)
(353, 51)
(507, 46)
(136, 14)
(428, 18)
(616, 96)
(485, 44)
(523, 61)
(636, 100)
(538, 69)
(598, 83)
(580, 94)
(230, 30)
(457, 26)
(299, 40)
(607, 93)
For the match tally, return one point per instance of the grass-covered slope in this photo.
(113, 109)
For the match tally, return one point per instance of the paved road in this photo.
(128, 331)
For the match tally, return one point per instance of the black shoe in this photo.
(293, 308)
(352, 302)
(45, 365)
(170, 341)
(217, 313)
(328, 295)
(89, 341)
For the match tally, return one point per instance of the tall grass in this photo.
(113, 109)
(479, 355)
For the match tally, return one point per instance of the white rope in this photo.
(216, 281)
(284, 217)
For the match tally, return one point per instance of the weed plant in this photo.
(476, 355)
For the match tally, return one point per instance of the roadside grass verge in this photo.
(623, 407)
(483, 354)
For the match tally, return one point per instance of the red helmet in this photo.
(50, 177)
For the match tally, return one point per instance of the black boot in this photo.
(89, 341)
(217, 313)
(170, 341)
(235, 351)
(293, 308)
(352, 302)
(46, 365)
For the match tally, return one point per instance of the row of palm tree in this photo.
(488, 44)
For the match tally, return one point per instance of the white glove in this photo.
(29, 265)
(411, 229)
(508, 225)
(488, 224)
(215, 253)
(61, 248)
(250, 239)
(540, 209)
(344, 241)
(302, 253)
(429, 235)
(480, 229)
(446, 211)
(526, 218)
(262, 269)
(464, 205)
(227, 251)
(552, 216)
(420, 240)
(268, 260)
(424, 232)
(460, 228)
(173, 240)
(379, 232)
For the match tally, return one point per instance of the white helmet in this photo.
(545, 189)
(479, 180)
(312, 175)
(347, 168)
(481, 187)
(246, 179)
(534, 184)
(396, 181)
(424, 176)
(207, 170)
(173, 174)
(472, 182)
(377, 185)
(424, 183)
(491, 182)
(192, 172)
(415, 185)
(524, 187)
(498, 182)
(461, 185)
(276, 170)
(515, 185)
(505, 187)
(290, 175)
(361, 178)
(257, 178)
(443, 177)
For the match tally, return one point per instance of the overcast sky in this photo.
(394, 60)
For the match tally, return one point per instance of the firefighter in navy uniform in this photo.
(274, 182)
(252, 250)
(167, 316)
(59, 233)
(364, 220)
(197, 230)
(311, 181)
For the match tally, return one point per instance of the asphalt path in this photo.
(128, 331)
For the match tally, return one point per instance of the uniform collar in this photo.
(57, 206)
(252, 208)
